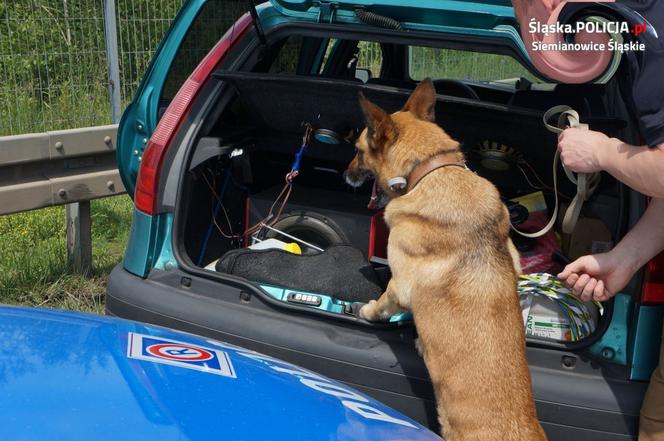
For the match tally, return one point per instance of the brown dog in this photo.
(455, 267)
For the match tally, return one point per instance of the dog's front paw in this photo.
(369, 311)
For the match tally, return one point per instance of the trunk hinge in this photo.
(327, 11)
(257, 23)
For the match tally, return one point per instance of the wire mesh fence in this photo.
(54, 70)
(141, 25)
(53, 59)
(52, 65)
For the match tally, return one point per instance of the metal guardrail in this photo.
(55, 168)
(67, 167)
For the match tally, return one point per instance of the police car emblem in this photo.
(181, 354)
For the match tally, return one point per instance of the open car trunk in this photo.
(226, 166)
(232, 172)
(237, 171)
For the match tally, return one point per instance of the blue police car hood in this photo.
(73, 376)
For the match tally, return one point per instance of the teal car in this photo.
(230, 106)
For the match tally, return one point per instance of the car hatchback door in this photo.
(195, 30)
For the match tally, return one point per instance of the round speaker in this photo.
(496, 156)
(310, 227)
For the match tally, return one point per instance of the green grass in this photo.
(66, 107)
(34, 270)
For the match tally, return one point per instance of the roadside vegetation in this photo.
(34, 270)
(54, 75)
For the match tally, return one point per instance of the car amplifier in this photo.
(323, 218)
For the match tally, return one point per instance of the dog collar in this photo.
(433, 163)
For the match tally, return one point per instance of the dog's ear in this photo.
(422, 102)
(381, 130)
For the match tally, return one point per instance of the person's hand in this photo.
(550, 5)
(526, 7)
(597, 277)
(581, 150)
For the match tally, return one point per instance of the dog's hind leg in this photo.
(385, 307)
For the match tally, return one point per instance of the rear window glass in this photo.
(454, 64)
(390, 64)
(287, 58)
(370, 56)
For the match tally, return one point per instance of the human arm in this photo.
(639, 167)
(520, 6)
(600, 276)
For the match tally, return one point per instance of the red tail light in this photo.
(653, 283)
(145, 196)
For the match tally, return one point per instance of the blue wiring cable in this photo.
(227, 176)
(295, 168)
(298, 159)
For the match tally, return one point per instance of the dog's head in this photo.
(391, 145)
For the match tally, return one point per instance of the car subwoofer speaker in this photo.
(309, 226)
(323, 218)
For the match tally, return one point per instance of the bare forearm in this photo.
(646, 239)
(639, 167)
(521, 7)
